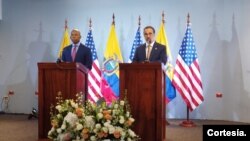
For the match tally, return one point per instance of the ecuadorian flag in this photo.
(170, 89)
(112, 58)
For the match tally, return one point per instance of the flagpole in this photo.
(65, 24)
(163, 21)
(187, 122)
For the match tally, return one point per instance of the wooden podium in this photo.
(144, 86)
(68, 78)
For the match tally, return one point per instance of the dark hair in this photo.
(149, 27)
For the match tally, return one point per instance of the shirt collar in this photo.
(150, 44)
(76, 45)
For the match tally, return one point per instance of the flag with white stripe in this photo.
(94, 76)
(187, 78)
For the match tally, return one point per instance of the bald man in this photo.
(77, 52)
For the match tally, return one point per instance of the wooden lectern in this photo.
(144, 86)
(68, 78)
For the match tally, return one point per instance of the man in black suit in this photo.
(151, 51)
(77, 52)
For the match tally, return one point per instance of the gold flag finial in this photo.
(163, 19)
(66, 24)
(90, 23)
(113, 17)
(139, 21)
(188, 18)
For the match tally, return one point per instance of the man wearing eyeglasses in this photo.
(151, 51)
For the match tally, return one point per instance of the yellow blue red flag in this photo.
(65, 40)
(170, 89)
(112, 58)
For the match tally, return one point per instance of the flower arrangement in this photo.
(72, 120)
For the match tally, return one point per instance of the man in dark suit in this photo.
(77, 52)
(151, 51)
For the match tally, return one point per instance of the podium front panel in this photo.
(67, 78)
(143, 86)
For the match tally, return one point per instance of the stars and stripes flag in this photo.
(136, 43)
(187, 78)
(94, 76)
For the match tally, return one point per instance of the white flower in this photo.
(71, 119)
(98, 126)
(131, 133)
(107, 124)
(51, 130)
(63, 127)
(113, 112)
(95, 130)
(122, 102)
(132, 119)
(117, 112)
(127, 114)
(111, 129)
(93, 138)
(105, 129)
(79, 126)
(99, 115)
(60, 137)
(59, 130)
(116, 106)
(119, 129)
(73, 104)
(92, 123)
(89, 121)
(59, 116)
(67, 101)
(123, 134)
(121, 121)
(101, 109)
(59, 108)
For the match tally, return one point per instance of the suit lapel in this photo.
(154, 48)
(144, 52)
(78, 50)
(70, 52)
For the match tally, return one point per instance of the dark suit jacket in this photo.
(158, 53)
(83, 55)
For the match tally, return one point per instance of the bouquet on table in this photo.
(73, 121)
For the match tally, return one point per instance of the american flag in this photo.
(187, 78)
(136, 43)
(94, 76)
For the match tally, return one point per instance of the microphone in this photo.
(146, 61)
(100, 101)
(58, 60)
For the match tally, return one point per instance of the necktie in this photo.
(148, 52)
(73, 54)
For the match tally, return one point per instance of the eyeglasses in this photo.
(145, 34)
